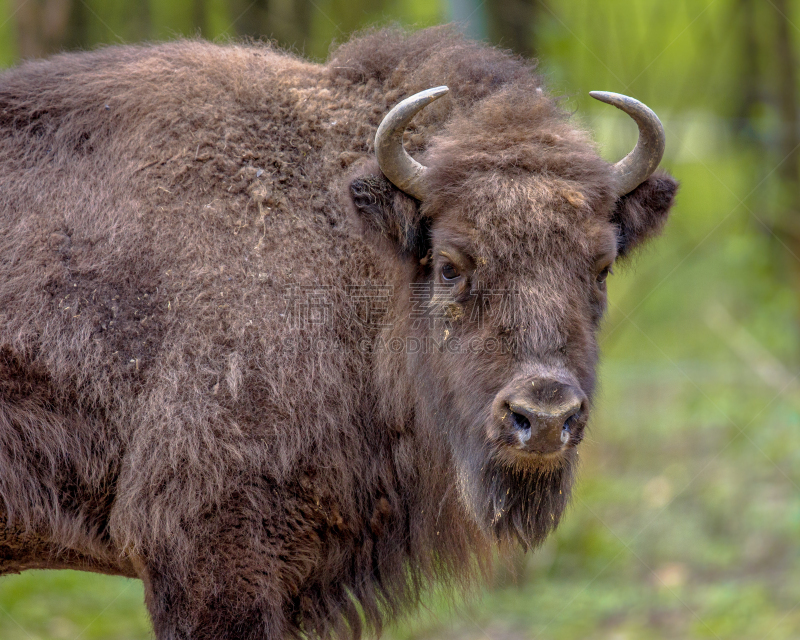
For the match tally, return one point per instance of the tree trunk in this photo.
(199, 21)
(788, 220)
(786, 68)
(41, 26)
(750, 87)
(512, 24)
(252, 18)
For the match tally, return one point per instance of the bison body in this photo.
(240, 364)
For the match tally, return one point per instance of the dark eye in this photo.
(449, 272)
(603, 275)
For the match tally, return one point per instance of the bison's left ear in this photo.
(641, 214)
(388, 212)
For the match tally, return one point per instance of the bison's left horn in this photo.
(640, 163)
(400, 168)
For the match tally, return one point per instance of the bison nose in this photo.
(543, 415)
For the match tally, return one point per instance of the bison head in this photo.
(507, 235)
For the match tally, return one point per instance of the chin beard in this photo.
(518, 503)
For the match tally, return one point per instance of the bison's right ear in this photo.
(389, 212)
(642, 213)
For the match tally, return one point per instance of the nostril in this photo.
(520, 422)
(572, 419)
(566, 431)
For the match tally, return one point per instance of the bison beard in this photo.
(201, 266)
(522, 505)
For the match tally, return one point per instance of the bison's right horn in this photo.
(401, 169)
(640, 163)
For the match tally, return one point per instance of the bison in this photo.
(255, 354)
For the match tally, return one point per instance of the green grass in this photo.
(70, 605)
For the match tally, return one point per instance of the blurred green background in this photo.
(686, 520)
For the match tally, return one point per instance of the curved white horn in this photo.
(400, 168)
(640, 163)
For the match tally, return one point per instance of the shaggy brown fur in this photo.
(165, 414)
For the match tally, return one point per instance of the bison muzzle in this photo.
(289, 341)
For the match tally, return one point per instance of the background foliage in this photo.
(687, 516)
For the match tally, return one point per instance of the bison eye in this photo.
(601, 277)
(449, 271)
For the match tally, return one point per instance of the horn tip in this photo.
(609, 97)
(437, 92)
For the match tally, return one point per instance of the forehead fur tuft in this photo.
(497, 136)
(519, 135)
